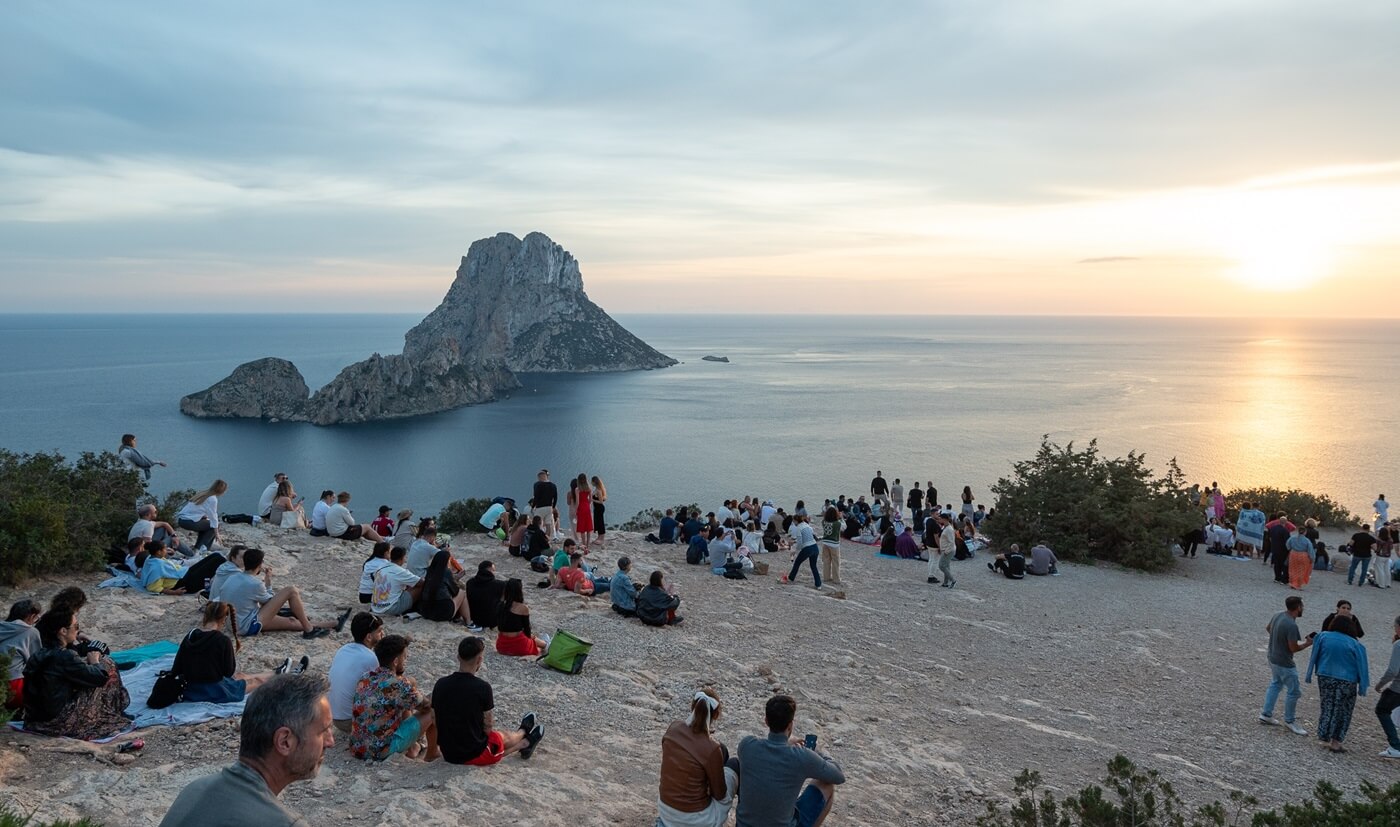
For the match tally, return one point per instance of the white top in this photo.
(1382, 512)
(766, 516)
(209, 510)
(142, 528)
(802, 535)
(723, 513)
(318, 515)
(373, 565)
(351, 662)
(338, 519)
(265, 501)
(389, 583)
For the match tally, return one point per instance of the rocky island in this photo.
(516, 306)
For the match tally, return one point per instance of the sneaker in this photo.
(474, 629)
(301, 665)
(1294, 728)
(283, 667)
(933, 580)
(340, 621)
(533, 740)
(1390, 752)
(1268, 720)
(528, 722)
(315, 633)
(991, 568)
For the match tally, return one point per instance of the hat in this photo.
(404, 514)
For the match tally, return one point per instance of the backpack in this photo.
(566, 653)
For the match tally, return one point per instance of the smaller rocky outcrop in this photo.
(263, 389)
(724, 359)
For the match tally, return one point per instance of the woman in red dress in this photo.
(583, 512)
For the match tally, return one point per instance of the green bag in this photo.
(566, 653)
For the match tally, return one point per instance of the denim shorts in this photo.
(809, 806)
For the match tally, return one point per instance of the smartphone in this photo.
(811, 741)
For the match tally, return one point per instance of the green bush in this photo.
(1086, 506)
(167, 508)
(463, 515)
(1145, 799)
(649, 518)
(57, 516)
(1299, 505)
(11, 818)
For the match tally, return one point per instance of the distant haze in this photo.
(1236, 157)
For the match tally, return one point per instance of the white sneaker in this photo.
(1294, 728)
(1390, 752)
(1266, 719)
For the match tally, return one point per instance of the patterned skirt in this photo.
(1338, 699)
(92, 714)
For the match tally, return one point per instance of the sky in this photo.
(1229, 158)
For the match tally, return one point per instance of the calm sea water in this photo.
(808, 406)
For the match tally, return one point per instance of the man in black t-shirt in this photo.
(879, 489)
(1361, 545)
(543, 499)
(463, 708)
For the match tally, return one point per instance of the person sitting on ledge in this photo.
(692, 526)
(514, 637)
(1043, 560)
(666, 532)
(232, 565)
(258, 606)
(464, 709)
(442, 599)
(148, 528)
(389, 715)
(906, 546)
(698, 551)
(341, 525)
(207, 661)
(698, 778)
(161, 575)
(19, 641)
(351, 662)
(286, 510)
(623, 590)
(1012, 563)
(71, 695)
(201, 515)
(579, 580)
(484, 592)
(319, 511)
(396, 589)
(773, 771)
(656, 605)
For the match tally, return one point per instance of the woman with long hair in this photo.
(68, 694)
(441, 599)
(1301, 553)
(378, 559)
(697, 778)
(967, 509)
(600, 496)
(201, 515)
(583, 512)
(571, 506)
(513, 624)
(207, 661)
(286, 511)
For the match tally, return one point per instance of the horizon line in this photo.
(1008, 315)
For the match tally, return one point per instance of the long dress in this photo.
(583, 511)
(91, 714)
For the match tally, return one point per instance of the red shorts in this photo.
(521, 645)
(495, 749)
(16, 699)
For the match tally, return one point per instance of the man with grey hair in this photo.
(148, 528)
(285, 733)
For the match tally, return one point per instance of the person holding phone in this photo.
(1284, 643)
(774, 770)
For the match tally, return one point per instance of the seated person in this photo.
(319, 511)
(696, 785)
(774, 769)
(906, 546)
(207, 662)
(19, 641)
(73, 599)
(257, 606)
(441, 598)
(148, 528)
(353, 661)
(515, 540)
(691, 528)
(383, 525)
(396, 589)
(579, 580)
(388, 715)
(1012, 563)
(1043, 560)
(656, 605)
(889, 544)
(378, 559)
(536, 541)
(341, 525)
(623, 590)
(852, 527)
(231, 566)
(559, 562)
(666, 532)
(513, 624)
(286, 510)
(464, 709)
(484, 592)
(405, 532)
(698, 552)
(722, 546)
(161, 575)
(68, 694)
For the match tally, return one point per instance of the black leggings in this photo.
(598, 526)
(193, 581)
(206, 533)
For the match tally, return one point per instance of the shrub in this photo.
(1298, 505)
(11, 818)
(464, 515)
(57, 516)
(649, 518)
(173, 502)
(1145, 799)
(1086, 506)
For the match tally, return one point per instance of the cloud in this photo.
(1109, 259)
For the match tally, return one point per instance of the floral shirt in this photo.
(382, 701)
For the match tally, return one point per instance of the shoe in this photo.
(315, 633)
(283, 667)
(533, 738)
(474, 629)
(528, 722)
(340, 621)
(784, 579)
(1294, 728)
(1390, 752)
(301, 665)
(1268, 720)
(546, 639)
(952, 584)
(933, 580)
(991, 568)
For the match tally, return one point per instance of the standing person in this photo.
(570, 506)
(319, 511)
(947, 547)
(1249, 527)
(896, 498)
(543, 499)
(879, 489)
(207, 660)
(773, 771)
(269, 494)
(1361, 544)
(600, 496)
(1340, 662)
(967, 509)
(583, 512)
(697, 788)
(1283, 645)
(1217, 501)
(1300, 558)
(388, 714)
(353, 661)
(1382, 508)
(201, 515)
(464, 709)
(1389, 689)
(805, 541)
(916, 506)
(285, 732)
(141, 462)
(831, 545)
(1277, 534)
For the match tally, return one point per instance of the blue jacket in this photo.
(1339, 655)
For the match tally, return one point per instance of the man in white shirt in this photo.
(1382, 510)
(896, 498)
(148, 528)
(341, 525)
(395, 587)
(257, 604)
(269, 494)
(352, 662)
(318, 513)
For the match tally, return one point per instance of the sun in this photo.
(1282, 241)
(1281, 263)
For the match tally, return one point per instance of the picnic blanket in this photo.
(124, 580)
(128, 658)
(139, 680)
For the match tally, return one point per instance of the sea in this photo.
(808, 407)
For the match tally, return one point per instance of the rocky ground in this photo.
(932, 699)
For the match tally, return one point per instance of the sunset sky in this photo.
(1219, 158)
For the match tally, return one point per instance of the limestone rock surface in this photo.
(265, 388)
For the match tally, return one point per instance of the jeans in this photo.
(808, 554)
(1285, 677)
(1389, 702)
(202, 528)
(1358, 562)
